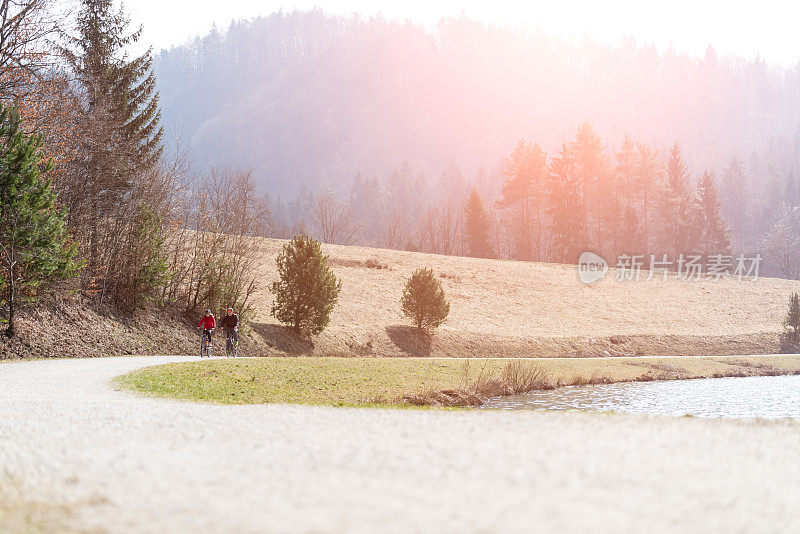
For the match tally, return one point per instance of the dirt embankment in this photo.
(68, 328)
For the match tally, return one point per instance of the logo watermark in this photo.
(591, 267)
(687, 267)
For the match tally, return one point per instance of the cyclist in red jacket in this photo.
(207, 323)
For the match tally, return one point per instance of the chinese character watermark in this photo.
(685, 267)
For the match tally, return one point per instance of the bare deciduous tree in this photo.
(782, 243)
(220, 248)
(395, 230)
(334, 221)
(440, 229)
(25, 27)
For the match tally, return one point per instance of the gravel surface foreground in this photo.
(121, 463)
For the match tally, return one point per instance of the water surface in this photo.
(769, 397)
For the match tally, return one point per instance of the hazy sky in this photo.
(767, 28)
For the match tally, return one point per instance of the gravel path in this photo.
(130, 464)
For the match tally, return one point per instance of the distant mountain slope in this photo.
(308, 98)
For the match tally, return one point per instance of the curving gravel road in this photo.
(129, 464)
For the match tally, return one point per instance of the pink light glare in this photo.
(751, 29)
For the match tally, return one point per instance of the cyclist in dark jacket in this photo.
(230, 323)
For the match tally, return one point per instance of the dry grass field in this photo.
(519, 309)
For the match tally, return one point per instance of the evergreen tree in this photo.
(451, 182)
(712, 228)
(647, 171)
(121, 137)
(524, 189)
(34, 246)
(589, 167)
(477, 227)
(307, 290)
(121, 91)
(792, 321)
(610, 215)
(630, 231)
(406, 192)
(566, 210)
(147, 268)
(676, 206)
(423, 300)
(736, 199)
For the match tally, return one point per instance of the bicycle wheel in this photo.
(205, 346)
(229, 347)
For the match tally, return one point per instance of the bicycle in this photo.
(206, 346)
(231, 343)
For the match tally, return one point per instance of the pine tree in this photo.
(423, 300)
(34, 245)
(307, 290)
(630, 231)
(570, 236)
(712, 228)
(648, 172)
(676, 206)
(610, 214)
(451, 182)
(524, 188)
(121, 137)
(121, 92)
(736, 199)
(589, 167)
(147, 268)
(477, 227)
(792, 321)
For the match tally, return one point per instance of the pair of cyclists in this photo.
(229, 323)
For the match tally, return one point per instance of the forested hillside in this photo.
(362, 95)
(310, 102)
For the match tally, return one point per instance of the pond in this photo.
(769, 397)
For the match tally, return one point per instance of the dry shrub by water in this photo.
(515, 378)
(580, 380)
(519, 377)
(744, 368)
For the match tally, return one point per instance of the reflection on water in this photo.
(761, 396)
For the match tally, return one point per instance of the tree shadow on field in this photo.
(283, 338)
(789, 344)
(410, 340)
